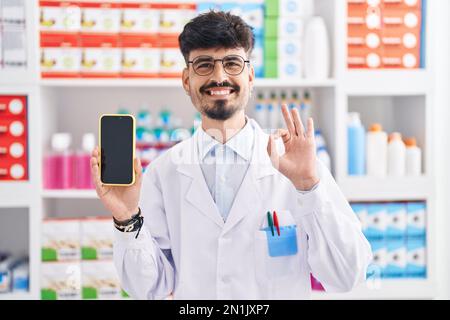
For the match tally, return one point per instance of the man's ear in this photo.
(185, 79)
(251, 76)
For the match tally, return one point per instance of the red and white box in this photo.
(100, 16)
(60, 56)
(172, 61)
(141, 57)
(174, 16)
(59, 16)
(139, 18)
(13, 138)
(100, 56)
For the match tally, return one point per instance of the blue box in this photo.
(257, 57)
(416, 227)
(396, 220)
(376, 221)
(376, 268)
(416, 266)
(396, 259)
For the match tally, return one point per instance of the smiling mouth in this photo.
(220, 91)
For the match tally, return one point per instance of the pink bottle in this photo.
(58, 164)
(83, 178)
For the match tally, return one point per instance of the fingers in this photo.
(138, 168)
(287, 118)
(95, 174)
(310, 130)
(297, 122)
(272, 150)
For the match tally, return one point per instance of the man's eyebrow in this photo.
(202, 58)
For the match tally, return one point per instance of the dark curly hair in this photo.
(216, 29)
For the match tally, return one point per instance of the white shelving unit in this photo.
(74, 106)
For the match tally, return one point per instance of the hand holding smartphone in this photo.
(115, 171)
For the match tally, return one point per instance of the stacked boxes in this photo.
(253, 14)
(77, 260)
(396, 232)
(283, 44)
(13, 53)
(13, 138)
(112, 38)
(386, 34)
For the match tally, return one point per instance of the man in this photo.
(208, 203)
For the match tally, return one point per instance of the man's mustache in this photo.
(218, 85)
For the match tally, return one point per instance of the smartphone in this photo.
(117, 145)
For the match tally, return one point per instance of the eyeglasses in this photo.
(232, 64)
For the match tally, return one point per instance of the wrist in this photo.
(124, 218)
(306, 184)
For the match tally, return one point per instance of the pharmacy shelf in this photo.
(17, 296)
(385, 289)
(69, 194)
(9, 195)
(363, 188)
(176, 83)
(386, 82)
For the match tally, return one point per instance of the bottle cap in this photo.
(353, 118)
(376, 127)
(88, 143)
(410, 142)
(395, 136)
(61, 141)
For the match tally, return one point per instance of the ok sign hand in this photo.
(298, 163)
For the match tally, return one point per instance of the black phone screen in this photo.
(116, 134)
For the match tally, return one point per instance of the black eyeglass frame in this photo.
(221, 60)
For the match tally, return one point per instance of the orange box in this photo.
(397, 57)
(402, 4)
(363, 57)
(60, 55)
(100, 56)
(140, 56)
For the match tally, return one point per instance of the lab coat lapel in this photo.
(249, 198)
(197, 192)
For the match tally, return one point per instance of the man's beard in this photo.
(219, 111)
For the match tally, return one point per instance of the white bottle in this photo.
(323, 155)
(396, 155)
(273, 111)
(413, 158)
(376, 145)
(316, 49)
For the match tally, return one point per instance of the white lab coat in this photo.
(185, 247)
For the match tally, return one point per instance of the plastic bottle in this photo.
(273, 111)
(305, 109)
(295, 101)
(356, 145)
(58, 164)
(413, 157)
(317, 51)
(324, 156)
(260, 111)
(396, 155)
(82, 176)
(377, 143)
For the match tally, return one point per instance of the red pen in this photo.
(275, 222)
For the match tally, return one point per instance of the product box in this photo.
(96, 238)
(290, 68)
(14, 48)
(141, 57)
(61, 240)
(289, 49)
(253, 14)
(174, 16)
(100, 17)
(101, 56)
(12, 13)
(59, 16)
(287, 27)
(6, 264)
(139, 17)
(396, 259)
(376, 221)
(203, 7)
(60, 281)
(416, 258)
(60, 56)
(257, 57)
(361, 57)
(360, 209)
(401, 4)
(99, 280)
(396, 220)
(21, 276)
(292, 8)
(416, 226)
(270, 67)
(172, 62)
(378, 265)
(13, 138)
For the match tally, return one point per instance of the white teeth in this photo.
(221, 92)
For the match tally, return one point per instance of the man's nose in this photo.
(219, 75)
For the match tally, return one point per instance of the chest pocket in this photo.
(277, 256)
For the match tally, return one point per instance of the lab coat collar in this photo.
(248, 198)
(241, 143)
